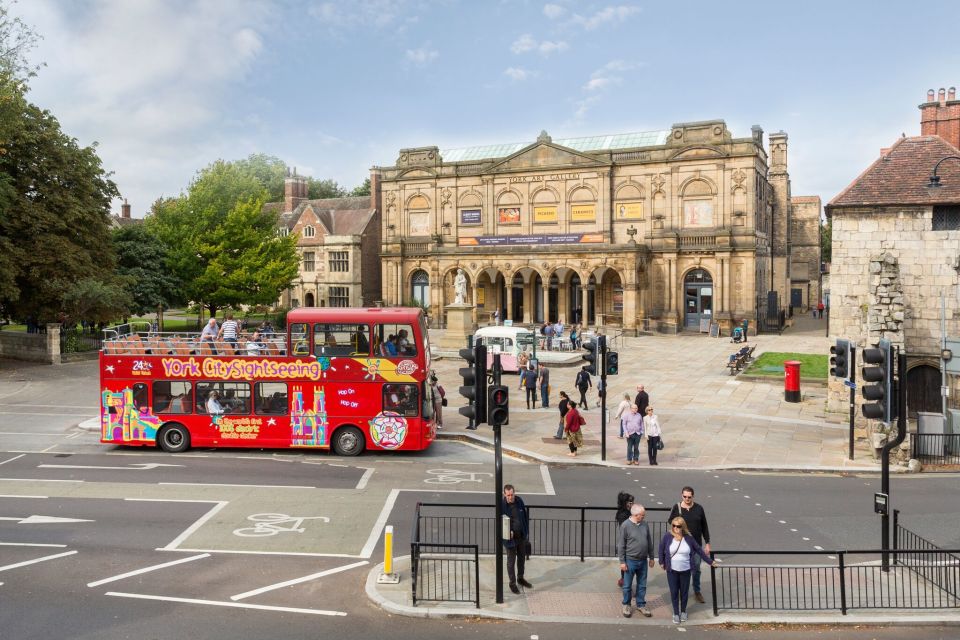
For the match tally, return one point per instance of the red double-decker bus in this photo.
(340, 378)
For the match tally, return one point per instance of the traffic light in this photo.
(474, 387)
(840, 359)
(498, 404)
(591, 356)
(613, 363)
(882, 405)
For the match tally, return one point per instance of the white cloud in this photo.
(605, 76)
(517, 74)
(584, 106)
(422, 55)
(606, 15)
(527, 43)
(358, 13)
(595, 84)
(553, 11)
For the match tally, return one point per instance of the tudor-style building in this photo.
(646, 231)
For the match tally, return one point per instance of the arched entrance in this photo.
(308, 300)
(420, 288)
(516, 298)
(923, 390)
(697, 298)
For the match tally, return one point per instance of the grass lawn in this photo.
(771, 364)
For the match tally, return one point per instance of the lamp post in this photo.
(934, 178)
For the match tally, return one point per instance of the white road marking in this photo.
(362, 484)
(27, 433)
(547, 481)
(140, 466)
(3, 495)
(189, 531)
(43, 520)
(147, 570)
(30, 544)
(268, 553)
(246, 486)
(36, 480)
(216, 603)
(48, 406)
(280, 585)
(381, 522)
(13, 458)
(35, 561)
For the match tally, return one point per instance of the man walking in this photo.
(544, 381)
(528, 381)
(516, 510)
(642, 400)
(696, 519)
(635, 550)
(583, 383)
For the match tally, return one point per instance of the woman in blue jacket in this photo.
(677, 549)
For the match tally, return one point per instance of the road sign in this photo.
(850, 383)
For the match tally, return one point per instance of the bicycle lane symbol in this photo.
(270, 524)
(454, 476)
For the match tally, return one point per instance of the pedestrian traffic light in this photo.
(474, 387)
(498, 404)
(591, 356)
(882, 405)
(840, 359)
(613, 363)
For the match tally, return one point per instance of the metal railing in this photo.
(932, 563)
(443, 572)
(935, 448)
(843, 585)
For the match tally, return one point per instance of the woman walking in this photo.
(572, 428)
(622, 410)
(677, 550)
(564, 406)
(651, 426)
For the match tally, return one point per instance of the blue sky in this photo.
(168, 86)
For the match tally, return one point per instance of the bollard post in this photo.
(388, 576)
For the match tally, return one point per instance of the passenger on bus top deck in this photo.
(254, 346)
(391, 345)
(209, 333)
(403, 345)
(266, 328)
(363, 344)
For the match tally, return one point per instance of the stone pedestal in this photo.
(459, 327)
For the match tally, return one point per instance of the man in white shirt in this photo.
(229, 329)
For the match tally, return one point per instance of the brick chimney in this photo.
(125, 210)
(375, 194)
(295, 190)
(940, 115)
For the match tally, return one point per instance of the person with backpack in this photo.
(573, 428)
(528, 381)
(583, 383)
(564, 406)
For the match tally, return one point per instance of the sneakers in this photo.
(683, 616)
(514, 588)
(627, 611)
(644, 612)
(525, 583)
(676, 619)
(699, 597)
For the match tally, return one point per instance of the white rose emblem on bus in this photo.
(388, 429)
(406, 367)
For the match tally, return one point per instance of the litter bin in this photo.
(791, 381)
(931, 435)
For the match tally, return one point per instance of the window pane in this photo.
(233, 397)
(395, 340)
(271, 398)
(172, 397)
(338, 339)
(946, 218)
(401, 398)
(339, 261)
(339, 296)
(299, 339)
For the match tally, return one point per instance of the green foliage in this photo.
(142, 259)
(826, 241)
(362, 190)
(812, 365)
(16, 39)
(324, 189)
(223, 246)
(98, 301)
(269, 171)
(54, 210)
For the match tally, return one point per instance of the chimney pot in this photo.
(125, 210)
(941, 95)
(931, 95)
(952, 93)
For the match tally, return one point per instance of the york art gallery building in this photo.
(645, 231)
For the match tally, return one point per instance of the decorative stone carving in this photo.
(658, 182)
(445, 196)
(739, 177)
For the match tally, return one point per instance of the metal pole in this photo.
(498, 488)
(853, 393)
(603, 400)
(901, 391)
(943, 347)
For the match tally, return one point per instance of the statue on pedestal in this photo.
(460, 288)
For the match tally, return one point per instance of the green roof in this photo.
(589, 143)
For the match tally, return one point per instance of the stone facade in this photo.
(32, 347)
(652, 231)
(805, 260)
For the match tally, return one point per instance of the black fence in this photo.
(927, 560)
(443, 572)
(79, 339)
(935, 448)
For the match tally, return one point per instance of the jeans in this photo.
(633, 447)
(515, 556)
(531, 396)
(544, 396)
(652, 442)
(636, 568)
(679, 582)
(695, 572)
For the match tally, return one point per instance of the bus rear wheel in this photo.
(174, 438)
(348, 441)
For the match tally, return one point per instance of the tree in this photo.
(826, 241)
(97, 300)
(16, 39)
(142, 262)
(223, 246)
(362, 190)
(269, 171)
(325, 189)
(54, 209)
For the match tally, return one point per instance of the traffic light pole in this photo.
(498, 487)
(603, 397)
(853, 393)
(885, 457)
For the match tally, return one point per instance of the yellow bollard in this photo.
(388, 576)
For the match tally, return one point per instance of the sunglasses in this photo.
(677, 526)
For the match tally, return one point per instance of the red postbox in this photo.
(791, 381)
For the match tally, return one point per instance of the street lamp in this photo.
(934, 178)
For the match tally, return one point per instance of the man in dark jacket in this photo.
(583, 383)
(516, 510)
(696, 519)
(642, 400)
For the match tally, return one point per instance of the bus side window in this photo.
(401, 398)
(270, 398)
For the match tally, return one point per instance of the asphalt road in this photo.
(105, 542)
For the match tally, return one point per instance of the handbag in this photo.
(660, 444)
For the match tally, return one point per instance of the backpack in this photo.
(581, 378)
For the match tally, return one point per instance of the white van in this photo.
(515, 345)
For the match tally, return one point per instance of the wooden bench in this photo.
(737, 361)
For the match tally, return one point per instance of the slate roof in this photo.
(901, 174)
(589, 143)
(340, 216)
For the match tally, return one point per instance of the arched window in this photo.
(420, 288)
(309, 232)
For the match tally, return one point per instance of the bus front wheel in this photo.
(348, 441)
(174, 438)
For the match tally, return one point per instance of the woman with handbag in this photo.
(677, 551)
(573, 428)
(651, 427)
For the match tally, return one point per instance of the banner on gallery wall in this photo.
(583, 213)
(630, 211)
(545, 214)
